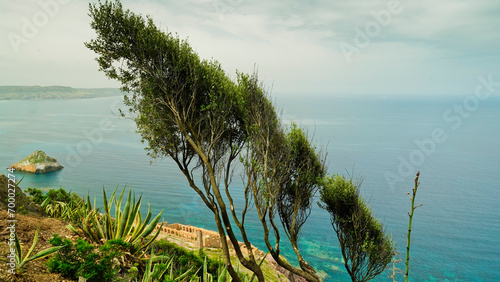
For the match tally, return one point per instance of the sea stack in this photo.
(37, 162)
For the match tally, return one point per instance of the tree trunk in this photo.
(251, 265)
(225, 249)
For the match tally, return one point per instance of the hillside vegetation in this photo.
(88, 245)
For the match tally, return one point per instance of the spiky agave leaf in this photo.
(124, 218)
(149, 230)
(141, 225)
(133, 215)
(22, 261)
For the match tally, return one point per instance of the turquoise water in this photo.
(455, 234)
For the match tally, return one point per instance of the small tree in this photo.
(366, 249)
(283, 172)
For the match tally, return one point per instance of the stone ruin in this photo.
(202, 238)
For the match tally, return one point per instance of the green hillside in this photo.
(53, 92)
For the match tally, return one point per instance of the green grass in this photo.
(38, 157)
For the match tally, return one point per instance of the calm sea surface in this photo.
(456, 233)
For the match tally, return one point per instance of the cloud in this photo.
(429, 47)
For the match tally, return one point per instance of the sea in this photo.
(384, 140)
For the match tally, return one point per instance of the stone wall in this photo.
(210, 239)
(190, 233)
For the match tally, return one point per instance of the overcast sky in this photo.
(423, 47)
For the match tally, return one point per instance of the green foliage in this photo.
(366, 249)
(68, 261)
(185, 260)
(38, 157)
(21, 260)
(132, 274)
(163, 271)
(155, 272)
(103, 264)
(168, 79)
(282, 172)
(340, 197)
(36, 195)
(22, 210)
(126, 224)
(158, 271)
(59, 210)
(60, 195)
(223, 274)
(56, 203)
(305, 171)
(83, 259)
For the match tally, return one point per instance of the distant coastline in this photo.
(54, 92)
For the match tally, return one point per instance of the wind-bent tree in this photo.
(189, 110)
(366, 249)
(283, 173)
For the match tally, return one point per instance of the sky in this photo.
(299, 47)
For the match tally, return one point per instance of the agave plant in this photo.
(21, 260)
(57, 209)
(127, 224)
(222, 277)
(155, 273)
(82, 216)
(57, 203)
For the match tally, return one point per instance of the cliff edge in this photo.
(8, 187)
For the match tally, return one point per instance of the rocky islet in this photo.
(37, 162)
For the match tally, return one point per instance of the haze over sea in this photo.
(384, 140)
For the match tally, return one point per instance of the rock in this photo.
(290, 276)
(37, 162)
(21, 200)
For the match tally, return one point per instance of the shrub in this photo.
(56, 203)
(186, 259)
(83, 259)
(35, 195)
(60, 195)
(66, 261)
